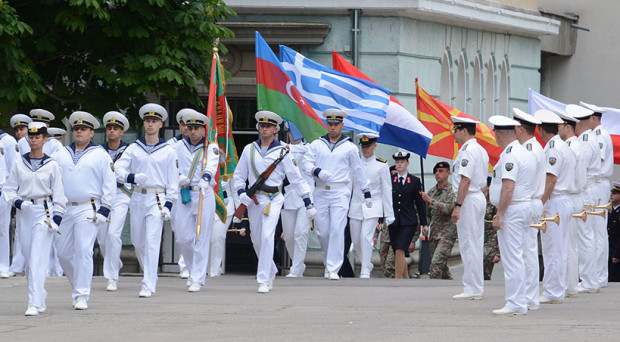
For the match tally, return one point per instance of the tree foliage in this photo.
(96, 55)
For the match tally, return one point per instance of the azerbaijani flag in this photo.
(216, 93)
(401, 128)
(275, 92)
(223, 124)
(435, 115)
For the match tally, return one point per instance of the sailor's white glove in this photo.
(236, 220)
(140, 179)
(165, 214)
(245, 199)
(100, 220)
(183, 181)
(25, 205)
(203, 185)
(311, 212)
(325, 175)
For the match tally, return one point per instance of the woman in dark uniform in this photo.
(406, 201)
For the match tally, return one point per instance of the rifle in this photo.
(260, 184)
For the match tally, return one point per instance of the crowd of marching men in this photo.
(66, 197)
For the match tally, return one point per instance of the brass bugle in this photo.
(598, 213)
(555, 219)
(582, 215)
(588, 206)
(235, 230)
(542, 226)
(606, 206)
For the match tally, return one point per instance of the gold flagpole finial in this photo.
(215, 44)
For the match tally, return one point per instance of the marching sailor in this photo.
(331, 160)
(90, 188)
(150, 164)
(607, 168)
(511, 189)
(116, 124)
(263, 217)
(220, 228)
(560, 180)
(8, 157)
(469, 174)
(57, 133)
(20, 122)
(51, 145)
(35, 188)
(586, 235)
(195, 178)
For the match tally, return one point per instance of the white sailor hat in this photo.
(181, 113)
(267, 117)
(565, 117)
(20, 120)
(194, 118)
(41, 115)
(615, 187)
(334, 115)
(548, 117)
(116, 118)
(83, 119)
(578, 112)
(401, 155)
(366, 139)
(153, 111)
(596, 109)
(459, 122)
(525, 118)
(56, 132)
(503, 122)
(37, 127)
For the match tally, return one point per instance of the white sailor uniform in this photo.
(587, 245)
(90, 187)
(219, 230)
(159, 163)
(472, 161)
(332, 196)
(110, 235)
(181, 261)
(561, 162)
(295, 222)
(576, 224)
(8, 157)
(600, 234)
(38, 181)
(363, 220)
(264, 217)
(516, 164)
(195, 249)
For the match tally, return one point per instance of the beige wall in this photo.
(525, 4)
(592, 73)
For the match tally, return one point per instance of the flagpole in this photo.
(211, 103)
(422, 171)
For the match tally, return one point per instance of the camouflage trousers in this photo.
(440, 252)
(487, 262)
(386, 255)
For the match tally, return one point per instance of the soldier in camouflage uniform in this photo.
(386, 253)
(491, 247)
(440, 203)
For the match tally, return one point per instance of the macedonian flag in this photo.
(435, 116)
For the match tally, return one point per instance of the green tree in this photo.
(101, 55)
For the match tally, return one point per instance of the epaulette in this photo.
(464, 148)
(509, 149)
(598, 131)
(551, 144)
(585, 137)
(528, 146)
(381, 160)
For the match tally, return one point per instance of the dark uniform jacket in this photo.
(613, 228)
(404, 197)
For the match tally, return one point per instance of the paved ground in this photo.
(306, 309)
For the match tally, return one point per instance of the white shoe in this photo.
(188, 282)
(80, 303)
(292, 275)
(584, 290)
(144, 293)
(545, 300)
(333, 276)
(12, 274)
(195, 287)
(111, 285)
(32, 311)
(507, 311)
(184, 274)
(470, 296)
(364, 276)
(263, 288)
(4, 275)
(533, 307)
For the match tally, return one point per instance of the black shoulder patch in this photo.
(509, 149)
(464, 148)
(598, 131)
(381, 160)
(585, 137)
(551, 144)
(528, 146)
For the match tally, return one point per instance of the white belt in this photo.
(331, 187)
(75, 204)
(192, 188)
(149, 191)
(517, 202)
(38, 201)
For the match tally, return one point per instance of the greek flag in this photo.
(364, 102)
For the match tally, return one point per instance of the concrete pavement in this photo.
(303, 309)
